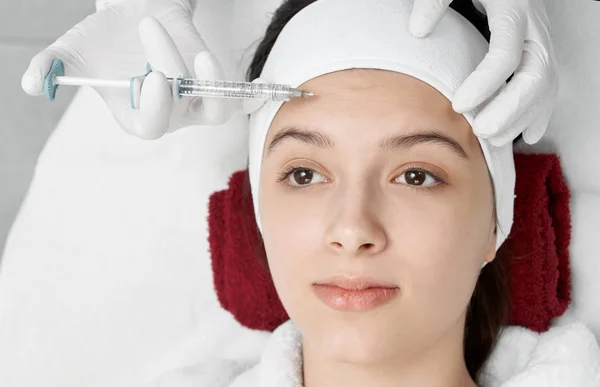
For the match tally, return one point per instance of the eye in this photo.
(298, 177)
(415, 177)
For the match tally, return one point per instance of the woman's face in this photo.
(375, 176)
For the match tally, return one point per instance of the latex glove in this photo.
(117, 42)
(520, 43)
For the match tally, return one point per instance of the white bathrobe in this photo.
(566, 356)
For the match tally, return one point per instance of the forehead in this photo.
(361, 79)
(375, 98)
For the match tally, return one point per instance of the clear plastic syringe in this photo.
(239, 90)
(180, 87)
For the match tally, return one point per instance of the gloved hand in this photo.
(520, 43)
(107, 44)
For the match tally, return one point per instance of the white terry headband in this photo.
(334, 35)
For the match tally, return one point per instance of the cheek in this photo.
(442, 244)
(291, 222)
(293, 238)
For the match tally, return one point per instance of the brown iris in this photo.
(415, 177)
(303, 176)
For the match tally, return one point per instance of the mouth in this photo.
(356, 283)
(341, 299)
(342, 293)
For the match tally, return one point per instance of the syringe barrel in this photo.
(233, 89)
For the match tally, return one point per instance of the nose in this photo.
(355, 228)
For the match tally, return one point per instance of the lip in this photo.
(356, 283)
(354, 294)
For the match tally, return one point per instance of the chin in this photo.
(357, 340)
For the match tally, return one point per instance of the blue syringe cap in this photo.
(56, 69)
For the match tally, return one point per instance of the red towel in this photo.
(538, 244)
(243, 284)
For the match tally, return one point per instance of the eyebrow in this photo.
(394, 143)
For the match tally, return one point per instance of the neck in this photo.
(441, 364)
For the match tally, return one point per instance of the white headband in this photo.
(334, 35)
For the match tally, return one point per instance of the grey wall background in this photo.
(27, 27)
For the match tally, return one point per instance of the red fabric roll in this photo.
(539, 274)
(538, 245)
(243, 284)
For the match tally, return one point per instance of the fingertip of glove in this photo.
(207, 66)
(205, 56)
(461, 104)
(425, 16)
(148, 132)
(460, 108)
(156, 102)
(482, 131)
(417, 27)
(32, 81)
(487, 124)
(31, 84)
(532, 139)
(496, 142)
(148, 24)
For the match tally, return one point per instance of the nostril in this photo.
(367, 246)
(363, 247)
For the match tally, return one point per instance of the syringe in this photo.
(180, 87)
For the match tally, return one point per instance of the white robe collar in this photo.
(566, 356)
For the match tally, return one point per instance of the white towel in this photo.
(585, 261)
(565, 356)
